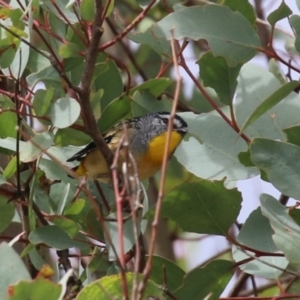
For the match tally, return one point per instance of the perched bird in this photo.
(146, 138)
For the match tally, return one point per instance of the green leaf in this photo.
(69, 226)
(208, 282)
(287, 232)
(7, 212)
(113, 113)
(110, 7)
(271, 101)
(8, 52)
(78, 212)
(69, 136)
(293, 135)
(8, 120)
(95, 99)
(11, 168)
(10, 144)
(35, 290)
(281, 163)
(14, 14)
(87, 9)
(42, 101)
(37, 62)
(75, 66)
(49, 76)
(153, 37)
(35, 257)
(216, 74)
(128, 236)
(36, 146)
(274, 68)
(282, 12)
(255, 85)
(59, 27)
(243, 7)
(154, 86)
(111, 286)
(93, 224)
(12, 269)
(199, 207)
(109, 81)
(98, 263)
(69, 50)
(295, 214)
(54, 237)
(174, 274)
(214, 154)
(18, 65)
(261, 241)
(144, 102)
(2, 179)
(236, 40)
(68, 12)
(75, 208)
(64, 112)
(199, 103)
(294, 286)
(295, 23)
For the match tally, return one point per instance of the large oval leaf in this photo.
(200, 206)
(236, 40)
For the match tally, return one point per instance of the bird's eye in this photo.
(165, 120)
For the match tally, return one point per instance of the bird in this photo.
(147, 137)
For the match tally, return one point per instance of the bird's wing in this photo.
(112, 138)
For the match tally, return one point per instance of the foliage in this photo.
(70, 69)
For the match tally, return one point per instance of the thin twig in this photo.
(138, 19)
(69, 23)
(154, 232)
(127, 51)
(210, 100)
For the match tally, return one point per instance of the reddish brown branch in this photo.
(139, 18)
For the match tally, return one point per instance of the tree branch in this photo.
(84, 93)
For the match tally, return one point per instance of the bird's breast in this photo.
(150, 162)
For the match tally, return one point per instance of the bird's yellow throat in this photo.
(157, 147)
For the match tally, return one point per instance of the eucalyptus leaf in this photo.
(64, 112)
(36, 146)
(217, 74)
(271, 101)
(255, 85)
(54, 237)
(7, 212)
(39, 287)
(12, 269)
(244, 7)
(211, 153)
(261, 241)
(8, 119)
(209, 281)
(236, 40)
(199, 207)
(286, 231)
(280, 161)
(293, 135)
(295, 23)
(282, 12)
(111, 286)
